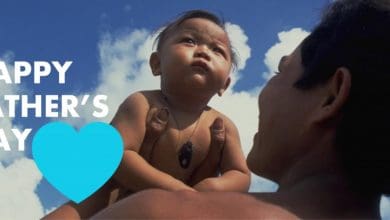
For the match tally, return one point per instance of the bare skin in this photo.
(194, 64)
(189, 205)
(312, 183)
(139, 171)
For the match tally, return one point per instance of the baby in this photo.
(194, 59)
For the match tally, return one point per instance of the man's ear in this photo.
(337, 91)
(227, 83)
(154, 62)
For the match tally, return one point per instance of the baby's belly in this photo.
(166, 155)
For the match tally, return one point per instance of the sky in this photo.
(110, 43)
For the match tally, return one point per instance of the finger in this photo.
(218, 133)
(156, 123)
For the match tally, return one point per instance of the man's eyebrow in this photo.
(282, 60)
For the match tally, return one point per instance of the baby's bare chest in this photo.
(180, 152)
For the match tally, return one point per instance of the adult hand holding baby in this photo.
(157, 122)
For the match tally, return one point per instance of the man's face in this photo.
(283, 121)
(195, 58)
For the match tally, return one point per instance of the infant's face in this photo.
(196, 56)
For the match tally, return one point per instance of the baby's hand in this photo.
(156, 124)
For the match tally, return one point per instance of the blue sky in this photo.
(93, 33)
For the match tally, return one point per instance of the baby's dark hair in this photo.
(356, 34)
(173, 25)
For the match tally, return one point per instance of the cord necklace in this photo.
(186, 150)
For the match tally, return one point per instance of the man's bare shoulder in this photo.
(164, 204)
(238, 205)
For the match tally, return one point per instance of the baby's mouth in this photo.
(201, 66)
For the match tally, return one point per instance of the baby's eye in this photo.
(188, 40)
(219, 50)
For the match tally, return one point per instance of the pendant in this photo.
(185, 154)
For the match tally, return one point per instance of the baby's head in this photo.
(174, 25)
(194, 53)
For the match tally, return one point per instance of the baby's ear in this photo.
(154, 62)
(222, 90)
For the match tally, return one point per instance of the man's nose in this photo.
(202, 51)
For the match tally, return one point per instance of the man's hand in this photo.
(212, 161)
(217, 136)
(225, 156)
(156, 124)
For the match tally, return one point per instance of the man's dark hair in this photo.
(172, 26)
(356, 34)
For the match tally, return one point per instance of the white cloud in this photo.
(385, 207)
(6, 123)
(18, 183)
(124, 63)
(242, 109)
(288, 41)
(241, 48)
(259, 184)
(19, 176)
(7, 157)
(239, 42)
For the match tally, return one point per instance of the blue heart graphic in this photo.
(77, 163)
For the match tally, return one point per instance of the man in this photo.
(323, 130)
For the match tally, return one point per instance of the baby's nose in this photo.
(202, 51)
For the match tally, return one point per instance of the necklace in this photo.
(186, 150)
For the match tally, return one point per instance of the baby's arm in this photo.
(235, 175)
(134, 172)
